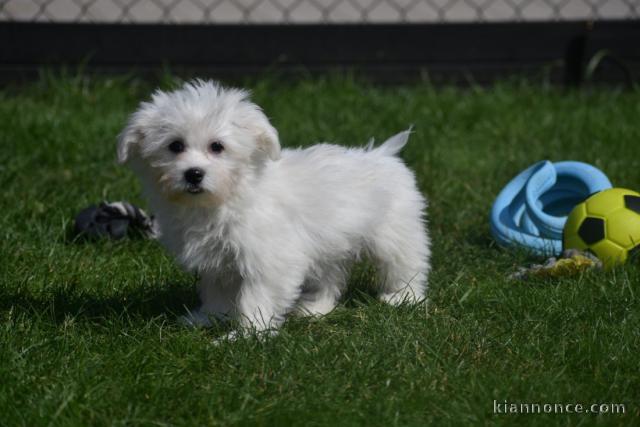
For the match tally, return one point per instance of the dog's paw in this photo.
(228, 337)
(237, 334)
(195, 319)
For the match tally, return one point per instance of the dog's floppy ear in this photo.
(266, 137)
(130, 135)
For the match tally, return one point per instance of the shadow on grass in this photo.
(149, 300)
(481, 238)
(146, 303)
(363, 286)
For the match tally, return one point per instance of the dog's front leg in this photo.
(264, 302)
(218, 295)
(263, 306)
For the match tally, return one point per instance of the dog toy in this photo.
(113, 220)
(570, 262)
(607, 224)
(530, 212)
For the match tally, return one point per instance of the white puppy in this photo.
(271, 231)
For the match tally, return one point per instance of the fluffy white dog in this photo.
(272, 231)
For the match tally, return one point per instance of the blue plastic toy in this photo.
(530, 212)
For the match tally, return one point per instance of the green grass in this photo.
(88, 331)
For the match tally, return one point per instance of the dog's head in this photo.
(198, 142)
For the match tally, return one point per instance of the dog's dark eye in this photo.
(176, 146)
(217, 147)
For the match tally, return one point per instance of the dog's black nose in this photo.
(194, 175)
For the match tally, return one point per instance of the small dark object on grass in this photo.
(114, 220)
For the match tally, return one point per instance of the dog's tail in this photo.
(393, 145)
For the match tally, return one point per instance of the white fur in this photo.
(273, 231)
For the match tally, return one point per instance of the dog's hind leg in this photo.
(402, 254)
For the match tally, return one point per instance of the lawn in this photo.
(88, 331)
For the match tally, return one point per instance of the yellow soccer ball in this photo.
(606, 224)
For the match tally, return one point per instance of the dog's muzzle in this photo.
(194, 177)
(194, 189)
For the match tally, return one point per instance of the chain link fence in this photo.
(313, 11)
